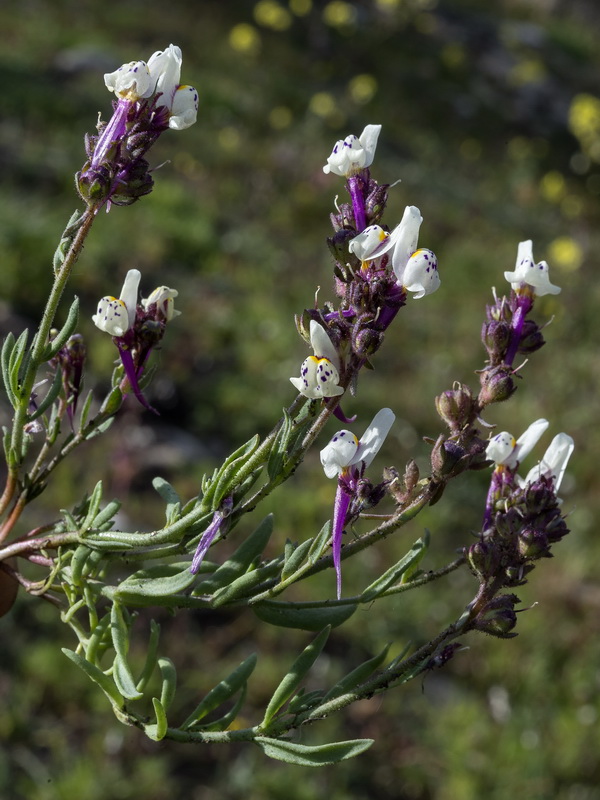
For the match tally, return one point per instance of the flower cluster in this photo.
(150, 100)
(522, 518)
(136, 328)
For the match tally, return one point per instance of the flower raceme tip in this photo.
(505, 451)
(529, 275)
(319, 373)
(160, 76)
(353, 153)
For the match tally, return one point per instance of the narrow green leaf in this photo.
(222, 691)
(279, 449)
(239, 562)
(292, 680)
(225, 721)
(393, 574)
(358, 675)
(120, 639)
(7, 348)
(295, 559)
(243, 585)
(85, 411)
(169, 681)
(170, 498)
(15, 362)
(223, 477)
(156, 581)
(78, 561)
(158, 731)
(302, 755)
(151, 656)
(319, 542)
(303, 700)
(106, 515)
(96, 675)
(67, 330)
(93, 506)
(306, 616)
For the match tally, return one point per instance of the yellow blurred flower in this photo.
(362, 88)
(339, 14)
(565, 254)
(553, 186)
(270, 14)
(300, 7)
(244, 38)
(584, 123)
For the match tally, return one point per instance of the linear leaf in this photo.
(222, 691)
(306, 617)
(302, 755)
(393, 574)
(292, 680)
(96, 675)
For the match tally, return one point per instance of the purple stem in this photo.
(114, 131)
(343, 497)
(127, 360)
(524, 306)
(358, 203)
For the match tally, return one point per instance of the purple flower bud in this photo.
(497, 385)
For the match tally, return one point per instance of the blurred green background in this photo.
(491, 120)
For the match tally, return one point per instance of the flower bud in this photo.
(495, 336)
(498, 618)
(497, 385)
(533, 544)
(531, 337)
(483, 558)
(445, 456)
(375, 202)
(456, 407)
(366, 342)
(338, 245)
(515, 575)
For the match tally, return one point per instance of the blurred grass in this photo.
(490, 121)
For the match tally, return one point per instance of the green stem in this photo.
(41, 338)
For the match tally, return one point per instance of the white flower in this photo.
(504, 450)
(184, 108)
(554, 462)
(319, 373)
(528, 273)
(164, 299)
(368, 242)
(116, 316)
(345, 450)
(162, 74)
(414, 269)
(131, 81)
(353, 153)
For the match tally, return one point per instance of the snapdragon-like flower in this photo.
(554, 462)
(528, 275)
(506, 451)
(414, 269)
(353, 153)
(136, 329)
(164, 300)
(116, 316)
(319, 373)
(160, 76)
(348, 457)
